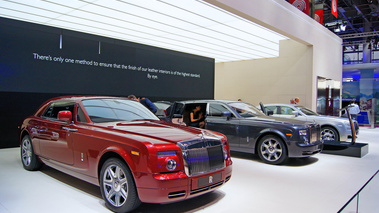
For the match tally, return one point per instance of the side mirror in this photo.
(270, 112)
(227, 114)
(65, 116)
(295, 113)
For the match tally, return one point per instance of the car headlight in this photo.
(303, 132)
(171, 164)
(167, 160)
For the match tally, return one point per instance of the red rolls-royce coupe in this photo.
(121, 146)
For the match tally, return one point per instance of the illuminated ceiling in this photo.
(191, 26)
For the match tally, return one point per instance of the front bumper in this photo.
(172, 187)
(345, 132)
(299, 149)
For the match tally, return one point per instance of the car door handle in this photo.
(69, 129)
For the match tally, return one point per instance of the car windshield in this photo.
(111, 109)
(245, 110)
(306, 110)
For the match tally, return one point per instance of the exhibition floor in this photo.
(319, 184)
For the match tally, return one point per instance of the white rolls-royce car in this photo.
(332, 128)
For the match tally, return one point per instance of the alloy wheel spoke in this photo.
(28, 161)
(266, 146)
(108, 182)
(118, 173)
(111, 174)
(117, 198)
(110, 194)
(124, 193)
(123, 182)
(273, 156)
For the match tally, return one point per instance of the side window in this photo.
(286, 110)
(274, 109)
(217, 110)
(52, 111)
(179, 108)
(49, 111)
(80, 117)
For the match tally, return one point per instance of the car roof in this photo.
(207, 101)
(80, 98)
(280, 104)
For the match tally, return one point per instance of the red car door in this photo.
(55, 139)
(56, 143)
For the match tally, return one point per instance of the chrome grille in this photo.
(315, 132)
(202, 156)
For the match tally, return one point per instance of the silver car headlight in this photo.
(303, 133)
(171, 165)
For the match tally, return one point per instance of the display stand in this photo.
(344, 148)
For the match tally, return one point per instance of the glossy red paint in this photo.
(65, 116)
(79, 147)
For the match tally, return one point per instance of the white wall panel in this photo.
(283, 18)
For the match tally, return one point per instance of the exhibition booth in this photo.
(40, 61)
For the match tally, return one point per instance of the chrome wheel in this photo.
(115, 185)
(329, 134)
(26, 151)
(28, 158)
(272, 150)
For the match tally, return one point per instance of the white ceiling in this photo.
(191, 26)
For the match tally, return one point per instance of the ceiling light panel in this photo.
(191, 26)
(168, 35)
(22, 12)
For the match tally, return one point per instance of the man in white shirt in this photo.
(354, 109)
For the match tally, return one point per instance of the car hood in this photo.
(285, 121)
(157, 131)
(327, 118)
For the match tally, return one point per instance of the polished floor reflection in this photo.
(322, 183)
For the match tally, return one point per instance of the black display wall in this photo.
(38, 62)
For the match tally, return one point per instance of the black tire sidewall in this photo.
(283, 158)
(132, 200)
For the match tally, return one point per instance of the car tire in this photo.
(272, 150)
(28, 158)
(117, 186)
(329, 134)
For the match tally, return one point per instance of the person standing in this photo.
(354, 109)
